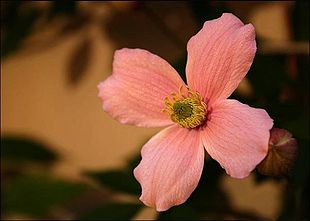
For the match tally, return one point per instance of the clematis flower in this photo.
(144, 90)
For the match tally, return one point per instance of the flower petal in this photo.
(135, 92)
(237, 136)
(170, 168)
(219, 56)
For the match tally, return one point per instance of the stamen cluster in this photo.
(186, 109)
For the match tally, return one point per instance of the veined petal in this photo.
(170, 168)
(135, 92)
(237, 136)
(219, 56)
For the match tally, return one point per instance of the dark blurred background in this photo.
(62, 157)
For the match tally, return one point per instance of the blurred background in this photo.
(62, 157)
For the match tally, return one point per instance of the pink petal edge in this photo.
(171, 166)
(135, 92)
(237, 136)
(219, 57)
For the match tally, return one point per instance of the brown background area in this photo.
(38, 101)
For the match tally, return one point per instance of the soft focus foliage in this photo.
(29, 188)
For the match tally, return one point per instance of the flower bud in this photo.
(282, 153)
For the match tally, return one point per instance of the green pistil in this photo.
(189, 111)
(182, 110)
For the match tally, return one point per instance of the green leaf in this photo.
(23, 149)
(37, 195)
(120, 181)
(112, 211)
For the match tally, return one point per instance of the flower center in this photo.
(189, 111)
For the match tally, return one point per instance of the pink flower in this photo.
(144, 90)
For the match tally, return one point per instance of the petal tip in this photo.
(241, 176)
(231, 16)
(228, 14)
(249, 32)
(100, 85)
(136, 172)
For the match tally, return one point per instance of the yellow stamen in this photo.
(188, 110)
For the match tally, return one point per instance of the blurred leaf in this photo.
(112, 211)
(79, 61)
(24, 149)
(117, 180)
(38, 195)
(18, 26)
(74, 25)
(182, 212)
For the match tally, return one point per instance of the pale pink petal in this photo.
(170, 168)
(219, 56)
(135, 92)
(237, 136)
